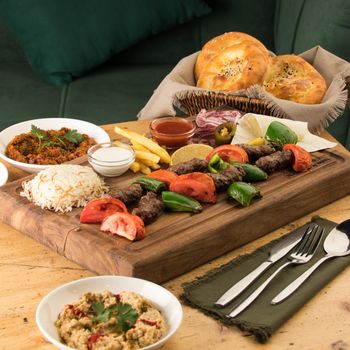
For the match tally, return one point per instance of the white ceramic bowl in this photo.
(115, 164)
(4, 174)
(81, 126)
(53, 303)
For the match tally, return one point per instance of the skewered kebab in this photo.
(275, 161)
(191, 166)
(224, 178)
(221, 179)
(256, 152)
(201, 165)
(149, 207)
(129, 194)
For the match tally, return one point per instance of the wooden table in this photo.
(28, 271)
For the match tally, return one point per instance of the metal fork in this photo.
(300, 255)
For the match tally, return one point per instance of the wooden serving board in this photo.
(178, 242)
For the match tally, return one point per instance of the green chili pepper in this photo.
(280, 134)
(252, 172)
(224, 133)
(178, 202)
(243, 193)
(150, 184)
(216, 164)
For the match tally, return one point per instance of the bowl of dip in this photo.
(110, 159)
(172, 132)
(50, 307)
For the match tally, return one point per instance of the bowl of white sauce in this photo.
(110, 159)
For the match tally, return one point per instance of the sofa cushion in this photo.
(112, 94)
(10, 51)
(254, 17)
(302, 24)
(62, 39)
(106, 95)
(24, 96)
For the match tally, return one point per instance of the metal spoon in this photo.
(336, 244)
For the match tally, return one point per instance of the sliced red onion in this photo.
(211, 119)
(207, 121)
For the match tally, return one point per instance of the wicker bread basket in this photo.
(192, 103)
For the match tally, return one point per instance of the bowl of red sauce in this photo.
(172, 132)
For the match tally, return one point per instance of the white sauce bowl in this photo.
(111, 160)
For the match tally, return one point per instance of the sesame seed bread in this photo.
(214, 46)
(235, 68)
(290, 77)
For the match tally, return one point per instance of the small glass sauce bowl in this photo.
(172, 132)
(109, 159)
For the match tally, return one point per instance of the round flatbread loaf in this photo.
(235, 68)
(290, 77)
(220, 43)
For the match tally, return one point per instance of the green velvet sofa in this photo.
(116, 90)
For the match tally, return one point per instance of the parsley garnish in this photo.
(73, 136)
(44, 141)
(125, 315)
(38, 133)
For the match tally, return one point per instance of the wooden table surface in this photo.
(28, 271)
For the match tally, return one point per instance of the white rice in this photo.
(62, 187)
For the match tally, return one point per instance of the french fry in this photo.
(150, 164)
(145, 169)
(154, 166)
(141, 155)
(138, 147)
(144, 141)
(135, 167)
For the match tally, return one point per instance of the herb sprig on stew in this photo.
(124, 313)
(44, 140)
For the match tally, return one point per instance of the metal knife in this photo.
(277, 252)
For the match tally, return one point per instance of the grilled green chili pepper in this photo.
(252, 172)
(224, 133)
(216, 164)
(243, 193)
(178, 202)
(280, 134)
(149, 184)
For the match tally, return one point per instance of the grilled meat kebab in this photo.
(275, 161)
(149, 207)
(225, 177)
(191, 166)
(129, 194)
(256, 152)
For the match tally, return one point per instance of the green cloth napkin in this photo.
(261, 318)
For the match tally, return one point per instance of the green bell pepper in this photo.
(280, 135)
(178, 202)
(149, 184)
(243, 193)
(252, 172)
(216, 164)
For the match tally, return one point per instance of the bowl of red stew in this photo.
(172, 132)
(37, 144)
